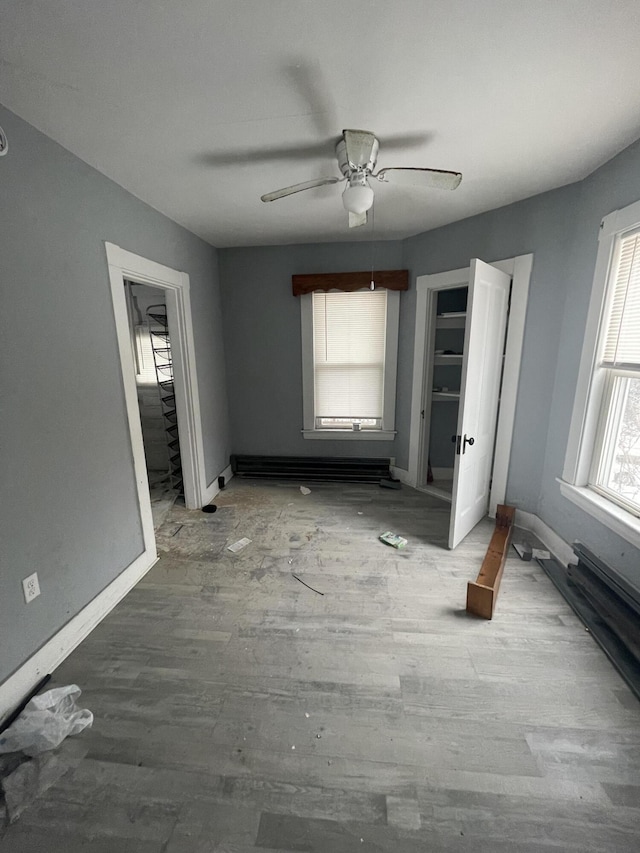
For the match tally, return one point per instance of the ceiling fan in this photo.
(357, 154)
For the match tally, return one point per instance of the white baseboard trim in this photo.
(554, 543)
(403, 475)
(212, 489)
(60, 646)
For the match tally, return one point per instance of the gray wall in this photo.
(263, 345)
(541, 225)
(559, 227)
(69, 506)
(262, 328)
(613, 186)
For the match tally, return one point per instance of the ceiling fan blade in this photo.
(436, 178)
(359, 147)
(357, 219)
(253, 156)
(298, 188)
(308, 78)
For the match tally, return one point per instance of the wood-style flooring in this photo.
(237, 710)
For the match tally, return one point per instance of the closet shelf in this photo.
(445, 395)
(442, 358)
(451, 321)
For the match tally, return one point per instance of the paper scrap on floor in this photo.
(239, 545)
(540, 554)
(305, 490)
(392, 539)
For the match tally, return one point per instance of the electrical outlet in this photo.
(31, 587)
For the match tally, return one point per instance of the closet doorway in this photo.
(153, 363)
(469, 329)
(174, 285)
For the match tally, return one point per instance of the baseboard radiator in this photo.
(610, 607)
(317, 469)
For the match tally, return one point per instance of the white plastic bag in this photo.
(46, 721)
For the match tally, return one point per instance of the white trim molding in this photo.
(124, 265)
(426, 285)
(213, 488)
(60, 646)
(400, 474)
(561, 550)
(351, 434)
(617, 519)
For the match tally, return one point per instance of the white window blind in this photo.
(348, 353)
(622, 336)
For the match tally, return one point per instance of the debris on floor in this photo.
(24, 779)
(393, 539)
(239, 545)
(29, 781)
(523, 550)
(527, 552)
(46, 721)
(209, 508)
(305, 490)
(541, 554)
(307, 585)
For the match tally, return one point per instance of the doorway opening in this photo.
(174, 286)
(435, 475)
(464, 397)
(153, 363)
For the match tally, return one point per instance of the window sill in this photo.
(350, 434)
(617, 519)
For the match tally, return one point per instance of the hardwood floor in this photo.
(237, 710)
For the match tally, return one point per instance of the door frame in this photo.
(125, 265)
(519, 268)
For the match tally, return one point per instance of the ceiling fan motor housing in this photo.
(347, 168)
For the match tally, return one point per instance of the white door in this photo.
(487, 306)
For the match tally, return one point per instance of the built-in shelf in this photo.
(445, 395)
(441, 358)
(455, 320)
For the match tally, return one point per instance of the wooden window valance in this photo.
(350, 281)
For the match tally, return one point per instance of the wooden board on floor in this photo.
(483, 593)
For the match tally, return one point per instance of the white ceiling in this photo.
(173, 100)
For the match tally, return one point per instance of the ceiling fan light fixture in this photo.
(357, 197)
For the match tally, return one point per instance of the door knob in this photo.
(470, 441)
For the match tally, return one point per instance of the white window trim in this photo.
(387, 432)
(589, 388)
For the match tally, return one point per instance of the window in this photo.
(615, 472)
(349, 363)
(602, 468)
